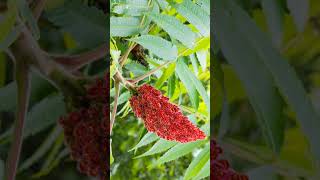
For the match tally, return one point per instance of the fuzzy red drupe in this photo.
(86, 132)
(219, 168)
(162, 117)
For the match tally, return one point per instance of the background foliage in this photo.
(175, 35)
(64, 28)
(266, 86)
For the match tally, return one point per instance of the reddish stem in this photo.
(74, 62)
(23, 84)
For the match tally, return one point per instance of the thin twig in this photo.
(38, 8)
(114, 111)
(124, 57)
(129, 85)
(23, 84)
(75, 62)
(27, 48)
(136, 80)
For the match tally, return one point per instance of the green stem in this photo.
(136, 80)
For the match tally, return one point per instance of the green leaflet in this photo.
(175, 28)
(147, 139)
(287, 81)
(275, 16)
(198, 163)
(184, 76)
(179, 150)
(160, 146)
(131, 7)
(192, 83)
(86, 24)
(195, 15)
(260, 88)
(166, 75)
(159, 46)
(124, 26)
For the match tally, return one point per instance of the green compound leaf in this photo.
(124, 26)
(184, 76)
(195, 15)
(158, 46)
(192, 82)
(165, 75)
(160, 146)
(42, 150)
(205, 171)
(86, 24)
(147, 139)
(198, 163)
(179, 150)
(246, 61)
(175, 28)
(131, 7)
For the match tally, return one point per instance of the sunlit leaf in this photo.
(158, 46)
(124, 26)
(198, 163)
(189, 78)
(175, 28)
(147, 139)
(195, 15)
(179, 150)
(160, 146)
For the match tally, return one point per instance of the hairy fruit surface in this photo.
(219, 168)
(86, 132)
(162, 117)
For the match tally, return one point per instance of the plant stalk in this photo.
(124, 57)
(38, 8)
(114, 111)
(23, 84)
(75, 62)
(136, 80)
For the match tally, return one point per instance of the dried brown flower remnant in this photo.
(220, 169)
(139, 56)
(162, 117)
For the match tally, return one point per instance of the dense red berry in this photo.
(162, 117)
(86, 132)
(220, 169)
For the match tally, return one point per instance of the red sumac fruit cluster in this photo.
(220, 168)
(162, 117)
(86, 131)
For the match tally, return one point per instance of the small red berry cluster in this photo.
(86, 132)
(219, 168)
(162, 117)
